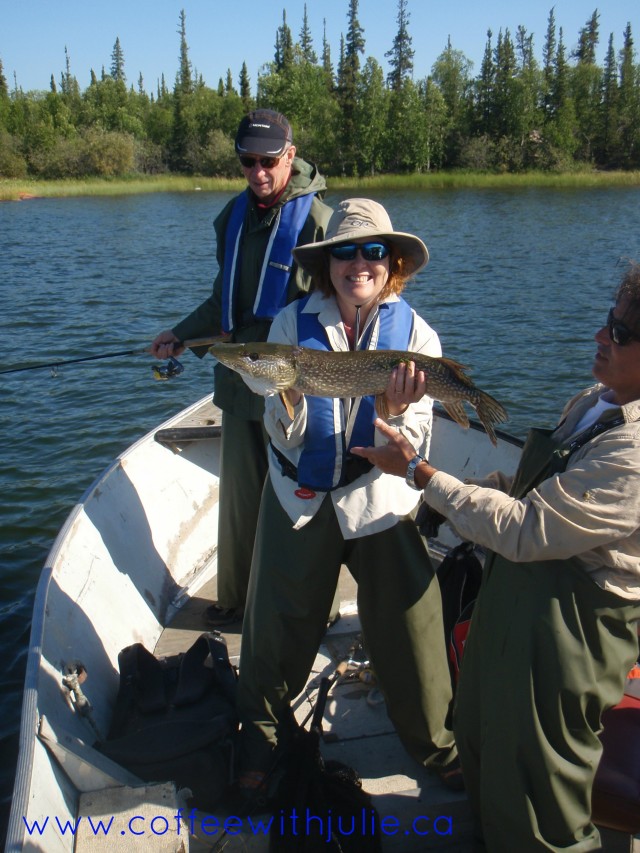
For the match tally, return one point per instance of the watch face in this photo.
(411, 471)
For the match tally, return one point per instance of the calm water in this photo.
(517, 284)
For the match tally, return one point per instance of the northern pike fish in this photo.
(274, 368)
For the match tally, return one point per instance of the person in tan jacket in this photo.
(554, 631)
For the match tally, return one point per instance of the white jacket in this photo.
(375, 501)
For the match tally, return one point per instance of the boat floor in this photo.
(358, 732)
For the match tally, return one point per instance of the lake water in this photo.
(517, 284)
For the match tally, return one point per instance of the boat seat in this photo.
(182, 435)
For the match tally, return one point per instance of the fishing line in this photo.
(199, 342)
(54, 364)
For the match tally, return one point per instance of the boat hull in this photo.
(139, 544)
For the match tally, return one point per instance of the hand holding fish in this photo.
(394, 457)
(406, 385)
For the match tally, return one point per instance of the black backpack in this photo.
(460, 576)
(175, 718)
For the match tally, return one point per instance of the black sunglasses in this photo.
(369, 251)
(618, 332)
(265, 162)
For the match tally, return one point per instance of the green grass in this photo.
(15, 189)
(484, 180)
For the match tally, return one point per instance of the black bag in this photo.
(175, 718)
(332, 812)
(460, 576)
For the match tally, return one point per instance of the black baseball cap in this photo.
(264, 132)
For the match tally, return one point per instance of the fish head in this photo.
(266, 368)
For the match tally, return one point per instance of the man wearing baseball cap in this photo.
(256, 233)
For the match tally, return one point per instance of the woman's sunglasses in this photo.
(265, 162)
(618, 332)
(369, 251)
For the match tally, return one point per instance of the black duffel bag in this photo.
(175, 718)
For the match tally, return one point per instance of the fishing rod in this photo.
(172, 370)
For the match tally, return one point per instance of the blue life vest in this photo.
(325, 460)
(271, 293)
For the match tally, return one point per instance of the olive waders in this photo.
(548, 651)
(293, 580)
(239, 506)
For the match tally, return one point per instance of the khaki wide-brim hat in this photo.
(363, 219)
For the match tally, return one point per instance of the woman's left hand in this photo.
(405, 386)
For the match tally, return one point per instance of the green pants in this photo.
(547, 653)
(243, 467)
(293, 580)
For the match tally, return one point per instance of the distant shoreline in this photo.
(13, 189)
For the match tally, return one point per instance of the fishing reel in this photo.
(169, 370)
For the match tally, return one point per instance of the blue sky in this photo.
(222, 34)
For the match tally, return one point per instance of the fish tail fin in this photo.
(490, 412)
(457, 412)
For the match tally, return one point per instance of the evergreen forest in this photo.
(561, 112)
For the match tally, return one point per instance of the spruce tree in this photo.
(561, 129)
(548, 63)
(608, 129)
(284, 45)
(588, 41)
(348, 83)
(68, 83)
(306, 42)
(401, 54)
(117, 62)
(504, 106)
(586, 80)
(184, 81)
(183, 130)
(629, 104)
(484, 84)
(560, 91)
(245, 88)
(326, 54)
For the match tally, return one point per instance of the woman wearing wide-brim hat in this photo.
(321, 507)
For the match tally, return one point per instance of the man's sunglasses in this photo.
(265, 162)
(369, 251)
(618, 332)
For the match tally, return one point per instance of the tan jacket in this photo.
(591, 511)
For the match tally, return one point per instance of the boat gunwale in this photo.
(29, 717)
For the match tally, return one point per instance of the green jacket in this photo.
(230, 392)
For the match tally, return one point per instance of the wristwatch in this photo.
(410, 476)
